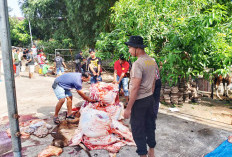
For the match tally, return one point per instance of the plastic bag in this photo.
(94, 123)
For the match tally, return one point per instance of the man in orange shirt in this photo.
(121, 68)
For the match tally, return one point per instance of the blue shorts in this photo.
(61, 92)
(58, 69)
(124, 83)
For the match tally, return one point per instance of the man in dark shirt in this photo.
(24, 54)
(84, 65)
(78, 60)
(62, 86)
(94, 67)
(27, 53)
(59, 64)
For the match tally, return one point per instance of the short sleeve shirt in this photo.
(31, 57)
(34, 50)
(70, 80)
(16, 57)
(94, 63)
(121, 68)
(145, 69)
(59, 61)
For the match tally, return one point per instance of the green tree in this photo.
(19, 32)
(189, 36)
(82, 21)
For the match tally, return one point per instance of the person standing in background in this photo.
(17, 62)
(20, 57)
(24, 53)
(78, 61)
(41, 60)
(121, 68)
(34, 51)
(59, 64)
(27, 53)
(94, 67)
(31, 64)
(13, 60)
(84, 65)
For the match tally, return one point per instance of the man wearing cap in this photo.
(59, 64)
(62, 86)
(121, 68)
(94, 67)
(141, 103)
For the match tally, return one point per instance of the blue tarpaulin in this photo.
(224, 150)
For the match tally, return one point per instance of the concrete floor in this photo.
(176, 137)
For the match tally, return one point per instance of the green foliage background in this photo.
(19, 32)
(190, 37)
(81, 21)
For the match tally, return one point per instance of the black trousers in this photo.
(78, 67)
(156, 96)
(143, 124)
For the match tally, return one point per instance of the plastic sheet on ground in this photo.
(224, 150)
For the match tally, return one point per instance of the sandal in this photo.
(56, 120)
(72, 116)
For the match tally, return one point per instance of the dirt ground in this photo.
(35, 97)
(211, 112)
(215, 112)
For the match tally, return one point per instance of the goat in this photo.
(218, 79)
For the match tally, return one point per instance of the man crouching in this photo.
(62, 86)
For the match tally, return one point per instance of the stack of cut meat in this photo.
(100, 125)
(37, 127)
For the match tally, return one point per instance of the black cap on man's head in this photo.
(136, 42)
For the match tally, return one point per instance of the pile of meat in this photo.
(50, 151)
(97, 125)
(37, 127)
(100, 125)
